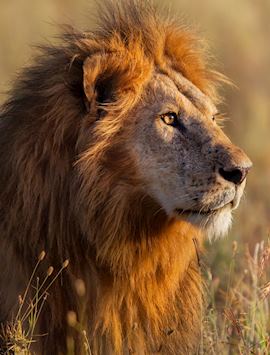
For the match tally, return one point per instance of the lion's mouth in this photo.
(203, 212)
(195, 212)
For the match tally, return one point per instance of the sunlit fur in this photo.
(70, 186)
(216, 225)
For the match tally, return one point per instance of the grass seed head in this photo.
(263, 261)
(65, 264)
(20, 299)
(71, 318)
(50, 271)
(80, 287)
(41, 255)
(265, 291)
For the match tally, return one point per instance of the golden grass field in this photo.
(237, 268)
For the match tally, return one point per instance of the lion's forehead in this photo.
(176, 91)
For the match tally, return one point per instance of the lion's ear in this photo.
(100, 81)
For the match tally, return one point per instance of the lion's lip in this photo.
(202, 211)
(192, 212)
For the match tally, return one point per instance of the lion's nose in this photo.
(236, 174)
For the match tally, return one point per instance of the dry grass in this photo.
(236, 321)
(20, 334)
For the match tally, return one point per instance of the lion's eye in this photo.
(170, 119)
(215, 116)
(218, 117)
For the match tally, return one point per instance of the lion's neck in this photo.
(143, 286)
(158, 284)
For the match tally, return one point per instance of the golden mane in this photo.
(59, 190)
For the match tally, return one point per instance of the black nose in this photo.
(235, 175)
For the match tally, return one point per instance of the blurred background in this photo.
(238, 33)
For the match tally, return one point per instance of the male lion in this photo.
(111, 157)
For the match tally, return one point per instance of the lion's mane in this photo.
(69, 187)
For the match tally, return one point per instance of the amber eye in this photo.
(170, 119)
(217, 116)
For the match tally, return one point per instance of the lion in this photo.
(112, 157)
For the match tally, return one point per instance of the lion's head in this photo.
(154, 102)
(186, 161)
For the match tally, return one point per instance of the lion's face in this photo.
(188, 165)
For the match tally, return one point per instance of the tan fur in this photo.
(90, 173)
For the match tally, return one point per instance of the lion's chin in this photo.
(214, 224)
